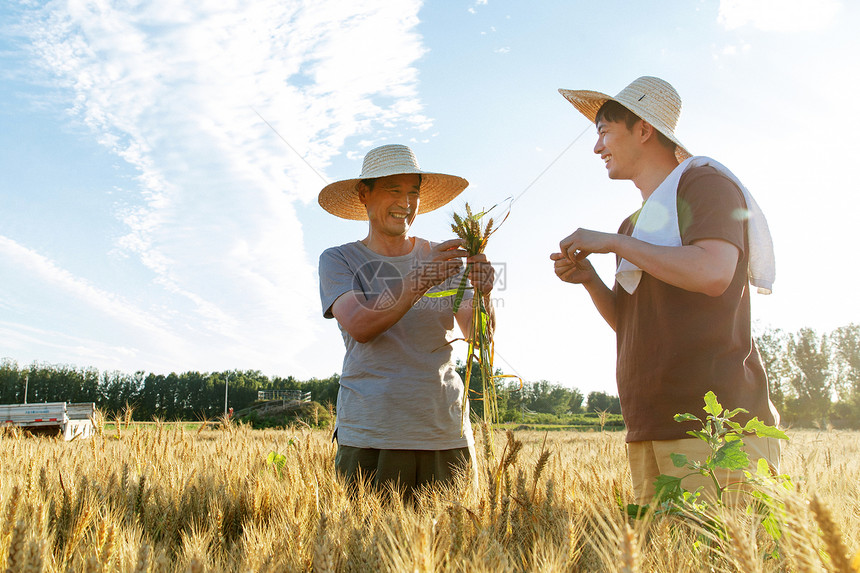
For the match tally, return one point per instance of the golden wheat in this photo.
(170, 500)
(837, 553)
(468, 227)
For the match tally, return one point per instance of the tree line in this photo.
(519, 400)
(814, 380)
(814, 377)
(186, 396)
(196, 395)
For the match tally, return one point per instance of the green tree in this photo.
(11, 382)
(571, 400)
(810, 379)
(476, 405)
(198, 397)
(846, 361)
(603, 402)
(541, 398)
(324, 391)
(116, 390)
(845, 346)
(512, 396)
(772, 345)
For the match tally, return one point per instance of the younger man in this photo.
(680, 305)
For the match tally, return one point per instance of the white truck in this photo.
(69, 420)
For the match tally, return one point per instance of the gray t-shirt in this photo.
(400, 390)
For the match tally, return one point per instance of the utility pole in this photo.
(26, 385)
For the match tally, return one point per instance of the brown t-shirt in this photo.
(674, 345)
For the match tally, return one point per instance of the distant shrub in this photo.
(311, 413)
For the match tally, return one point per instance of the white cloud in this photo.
(174, 87)
(474, 8)
(73, 301)
(778, 15)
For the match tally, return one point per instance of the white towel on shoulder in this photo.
(658, 224)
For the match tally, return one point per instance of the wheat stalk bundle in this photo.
(469, 228)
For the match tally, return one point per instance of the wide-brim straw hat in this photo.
(437, 189)
(652, 99)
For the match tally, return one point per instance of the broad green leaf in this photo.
(668, 487)
(680, 460)
(276, 460)
(712, 406)
(762, 430)
(699, 434)
(730, 456)
(686, 418)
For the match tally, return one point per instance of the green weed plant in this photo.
(725, 439)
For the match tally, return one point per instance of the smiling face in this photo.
(618, 147)
(392, 203)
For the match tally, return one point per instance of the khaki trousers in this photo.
(649, 459)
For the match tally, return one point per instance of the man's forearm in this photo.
(706, 267)
(365, 319)
(603, 298)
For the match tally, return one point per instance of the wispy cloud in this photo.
(174, 87)
(778, 15)
(474, 7)
(75, 305)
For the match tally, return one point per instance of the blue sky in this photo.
(151, 220)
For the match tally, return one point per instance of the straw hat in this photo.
(341, 198)
(652, 99)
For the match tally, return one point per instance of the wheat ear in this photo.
(832, 537)
(628, 552)
(15, 559)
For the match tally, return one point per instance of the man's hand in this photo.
(482, 274)
(583, 242)
(573, 271)
(444, 261)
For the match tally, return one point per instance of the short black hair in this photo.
(613, 111)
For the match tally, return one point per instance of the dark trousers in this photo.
(406, 469)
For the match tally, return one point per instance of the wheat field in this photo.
(168, 499)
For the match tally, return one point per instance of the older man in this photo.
(399, 407)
